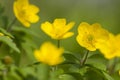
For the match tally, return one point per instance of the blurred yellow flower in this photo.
(119, 72)
(49, 54)
(25, 12)
(111, 48)
(58, 29)
(89, 36)
(1, 34)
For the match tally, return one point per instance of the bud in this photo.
(7, 60)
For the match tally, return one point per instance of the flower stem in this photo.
(58, 43)
(84, 58)
(111, 66)
(11, 25)
(54, 68)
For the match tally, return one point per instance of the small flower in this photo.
(25, 12)
(1, 34)
(58, 29)
(89, 36)
(119, 72)
(49, 54)
(111, 48)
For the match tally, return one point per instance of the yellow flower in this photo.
(89, 36)
(49, 54)
(111, 48)
(1, 34)
(25, 12)
(119, 72)
(58, 29)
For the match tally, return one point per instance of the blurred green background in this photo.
(105, 12)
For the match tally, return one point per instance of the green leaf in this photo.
(9, 42)
(96, 73)
(93, 73)
(26, 30)
(55, 73)
(43, 72)
(67, 77)
(76, 75)
(97, 60)
(107, 76)
(6, 33)
(70, 58)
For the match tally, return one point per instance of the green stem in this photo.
(54, 68)
(11, 25)
(84, 58)
(58, 43)
(111, 66)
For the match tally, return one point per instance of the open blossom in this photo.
(25, 12)
(90, 36)
(49, 54)
(58, 29)
(111, 48)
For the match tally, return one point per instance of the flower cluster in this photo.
(94, 37)
(111, 48)
(91, 37)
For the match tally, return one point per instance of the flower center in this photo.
(90, 38)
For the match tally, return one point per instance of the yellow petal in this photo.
(34, 9)
(59, 23)
(96, 26)
(56, 61)
(83, 28)
(33, 18)
(118, 38)
(25, 12)
(22, 3)
(37, 55)
(67, 35)
(49, 54)
(68, 26)
(1, 34)
(47, 28)
(82, 41)
(25, 23)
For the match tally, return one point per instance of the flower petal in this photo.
(68, 26)
(33, 18)
(47, 28)
(83, 28)
(67, 35)
(59, 23)
(49, 54)
(34, 9)
(83, 42)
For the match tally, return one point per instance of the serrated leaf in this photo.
(9, 42)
